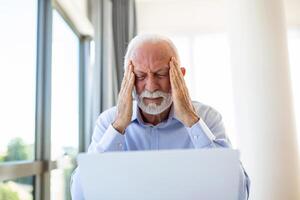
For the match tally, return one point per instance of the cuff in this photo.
(112, 140)
(200, 134)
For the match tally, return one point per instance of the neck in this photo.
(155, 119)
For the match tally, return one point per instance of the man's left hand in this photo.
(183, 107)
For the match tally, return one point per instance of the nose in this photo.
(151, 84)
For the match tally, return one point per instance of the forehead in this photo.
(151, 56)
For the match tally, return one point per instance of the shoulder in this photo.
(107, 116)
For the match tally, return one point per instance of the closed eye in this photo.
(163, 75)
(139, 77)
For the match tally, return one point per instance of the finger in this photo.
(172, 67)
(171, 74)
(126, 71)
(131, 82)
(176, 64)
(129, 86)
(173, 71)
(130, 69)
(174, 75)
(177, 67)
(126, 78)
(176, 79)
(175, 88)
(178, 86)
(178, 72)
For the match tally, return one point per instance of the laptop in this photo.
(206, 174)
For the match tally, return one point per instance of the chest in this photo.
(174, 136)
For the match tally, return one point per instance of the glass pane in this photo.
(19, 189)
(65, 64)
(198, 55)
(18, 20)
(60, 180)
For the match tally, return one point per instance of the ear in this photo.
(183, 70)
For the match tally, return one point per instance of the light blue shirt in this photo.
(208, 132)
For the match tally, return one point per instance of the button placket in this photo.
(154, 136)
(152, 139)
(157, 138)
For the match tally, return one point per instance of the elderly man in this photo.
(163, 115)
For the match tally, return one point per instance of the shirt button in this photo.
(120, 145)
(196, 137)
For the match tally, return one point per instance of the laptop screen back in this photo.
(208, 174)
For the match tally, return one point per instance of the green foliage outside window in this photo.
(17, 150)
(6, 193)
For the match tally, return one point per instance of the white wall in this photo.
(190, 16)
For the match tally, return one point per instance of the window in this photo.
(208, 56)
(64, 104)
(17, 79)
(27, 78)
(198, 54)
(18, 21)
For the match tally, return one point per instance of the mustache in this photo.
(156, 94)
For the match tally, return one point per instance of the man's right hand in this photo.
(124, 106)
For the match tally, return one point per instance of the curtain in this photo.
(114, 23)
(124, 26)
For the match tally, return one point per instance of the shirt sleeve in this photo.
(210, 133)
(110, 140)
(203, 137)
(105, 138)
(76, 188)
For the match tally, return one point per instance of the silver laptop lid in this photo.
(208, 174)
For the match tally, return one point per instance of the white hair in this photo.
(148, 38)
